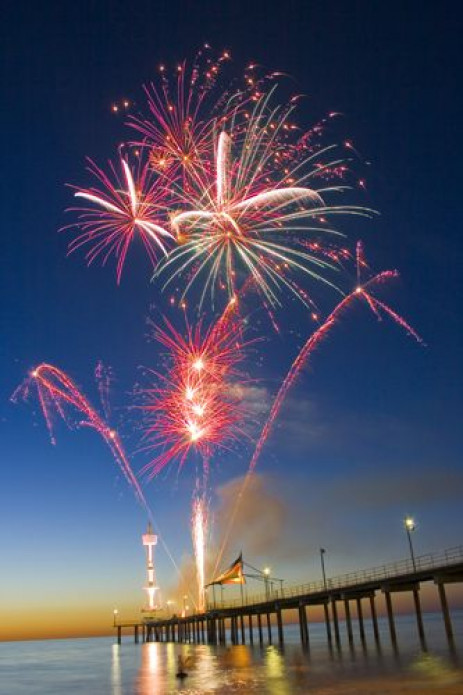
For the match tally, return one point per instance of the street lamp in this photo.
(185, 607)
(410, 526)
(266, 576)
(115, 613)
(169, 603)
(322, 560)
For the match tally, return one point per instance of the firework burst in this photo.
(176, 133)
(193, 406)
(122, 208)
(255, 207)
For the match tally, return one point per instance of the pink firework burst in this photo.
(193, 406)
(124, 206)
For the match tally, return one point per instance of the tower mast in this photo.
(149, 540)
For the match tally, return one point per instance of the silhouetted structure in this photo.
(211, 626)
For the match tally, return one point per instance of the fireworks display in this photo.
(228, 197)
(360, 292)
(226, 187)
(59, 396)
(251, 211)
(119, 211)
(199, 528)
(194, 408)
(193, 404)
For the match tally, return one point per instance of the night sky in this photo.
(371, 432)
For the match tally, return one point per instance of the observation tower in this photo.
(149, 540)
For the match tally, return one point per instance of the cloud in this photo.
(286, 519)
(384, 488)
(261, 519)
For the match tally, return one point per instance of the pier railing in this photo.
(402, 568)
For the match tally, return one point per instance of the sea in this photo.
(99, 666)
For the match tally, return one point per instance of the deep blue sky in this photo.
(374, 413)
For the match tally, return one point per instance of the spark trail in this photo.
(360, 292)
(193, 408)
(56, 391)
(199, 526)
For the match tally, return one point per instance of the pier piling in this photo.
(259, 625)
(350, 634)
(374, 618)
(337, 635)
(360, 620)
(390, 616)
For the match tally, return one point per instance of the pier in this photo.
(240, 618)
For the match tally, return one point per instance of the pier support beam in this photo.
(419, 617)
(374, 618)
(303, 626)
(251, 634)
(327, 623)
(135, 634)
(350, 634)
(446, 614)
(360, 620)
(259, 625)
(243, 634)
(390, 616)
(269, 629)
(280, 626)
(337, 635)
(234, 630)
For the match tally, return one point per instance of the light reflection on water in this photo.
(100, 667)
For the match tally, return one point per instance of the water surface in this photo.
(98, 666)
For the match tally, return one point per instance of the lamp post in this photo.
(115, 613)
(322, 560)
(410, 526)
(169, 603)
(266, 576)
(185, 606)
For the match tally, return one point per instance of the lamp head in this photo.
(409, 523)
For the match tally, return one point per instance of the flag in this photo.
(232, 575)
